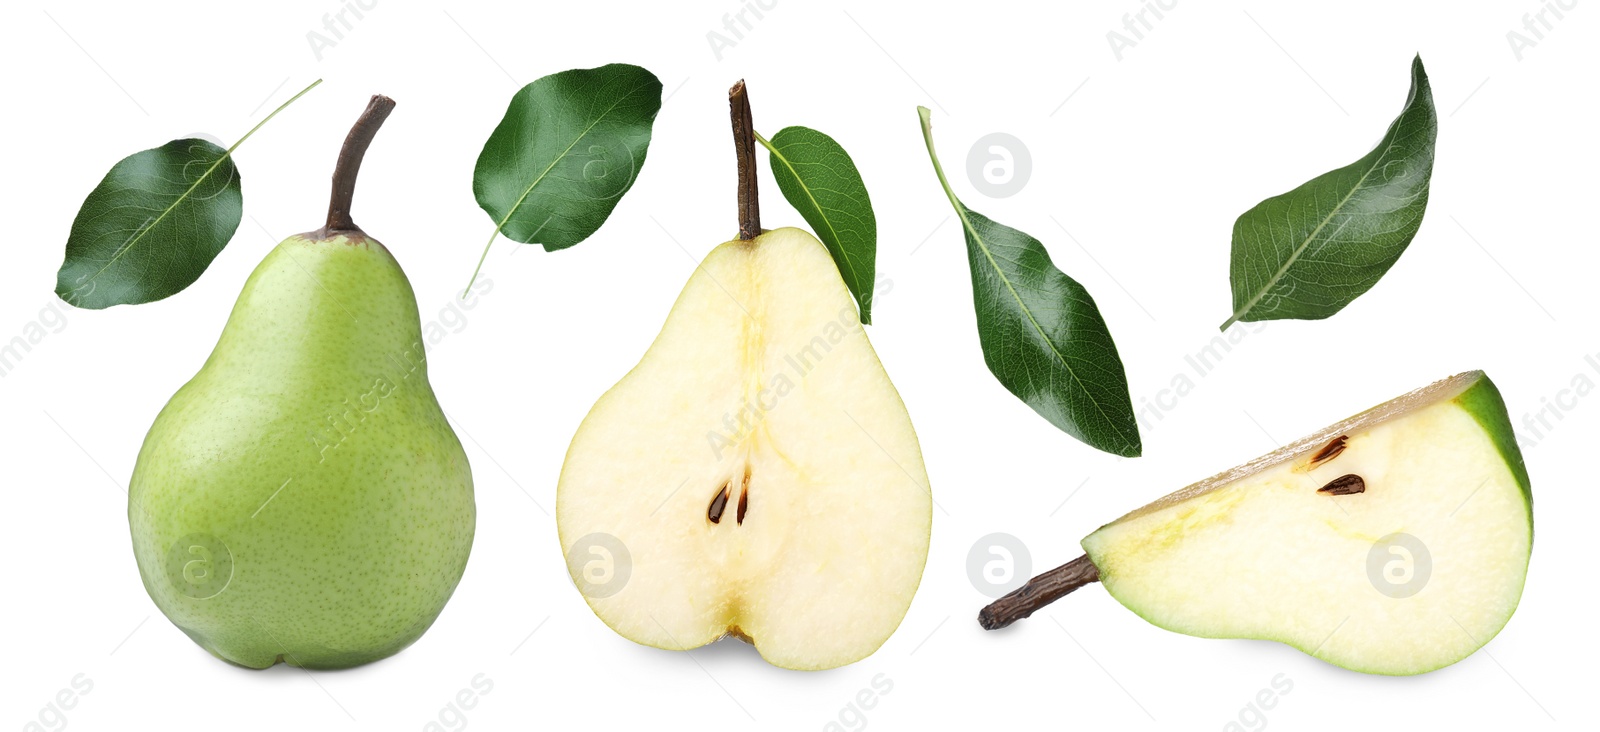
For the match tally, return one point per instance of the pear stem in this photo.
(349, 165)
(744, 145)
(1038, 592)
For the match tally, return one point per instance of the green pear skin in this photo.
(302, 499)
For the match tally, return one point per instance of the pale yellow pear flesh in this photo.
(1258, 552)
(761, 370)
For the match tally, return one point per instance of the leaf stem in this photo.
(481, 257)
(349, 165)
(1038, 592)
(926, 115)
(744, 145)
(274, 113)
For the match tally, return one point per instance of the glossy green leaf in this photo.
(570, 145)
(1041, 333)
(152, 226)
(1309, 252)
(155, 222)
(820, 180)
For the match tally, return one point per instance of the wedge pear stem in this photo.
(350, 156)
(1038, 592)
(744, 145)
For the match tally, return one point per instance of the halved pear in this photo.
(755, 475)
(1394, 542)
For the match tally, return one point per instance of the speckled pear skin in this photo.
(302, 499)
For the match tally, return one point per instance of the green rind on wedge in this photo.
(1482, 400)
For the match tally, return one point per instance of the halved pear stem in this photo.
(1038, 592)
(744, 145)
(350, 156)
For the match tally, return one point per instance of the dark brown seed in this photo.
(718, 504)
(744, 497)
(1344, 485)
(1329, 451)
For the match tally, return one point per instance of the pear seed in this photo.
(1329, 451)
(1344, 485)
(744, 496)
(718, 504)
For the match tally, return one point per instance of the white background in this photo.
(1146, 164)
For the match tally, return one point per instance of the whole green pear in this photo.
(303, 499)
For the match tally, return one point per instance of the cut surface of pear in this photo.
(1410, 568)
(756, 471)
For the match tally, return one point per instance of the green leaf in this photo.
(152, 226)
(1309, 252)
(570, 145)
(818, 178)
(1041, 333)
(155, 223)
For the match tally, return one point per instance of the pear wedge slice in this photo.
(1393, 542)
